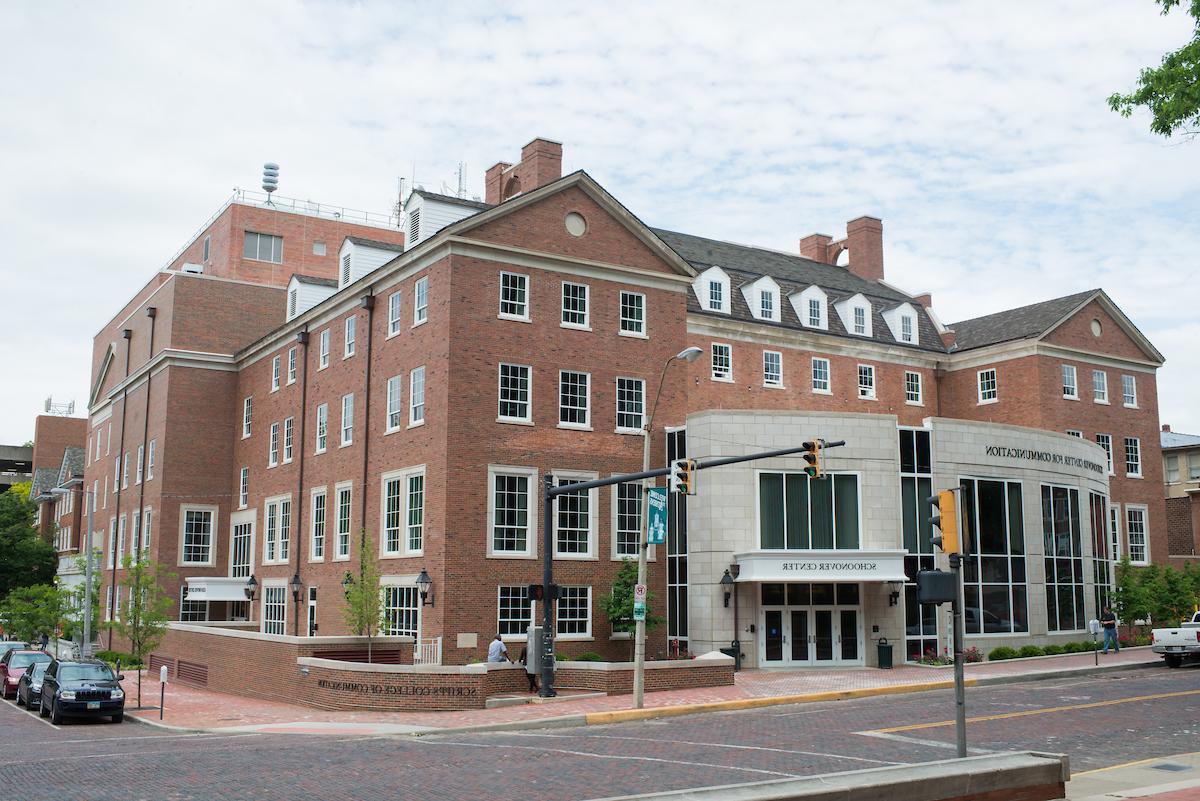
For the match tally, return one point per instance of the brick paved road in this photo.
(132, 761)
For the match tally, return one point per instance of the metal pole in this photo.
(85, 649)
(547, 685)
(960, 696)
(639, 646)
(737, 638)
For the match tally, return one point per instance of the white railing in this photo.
(427, 651)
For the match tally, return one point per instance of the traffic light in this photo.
(945, 519)
(537, 592)
(683, 475)
(812, 455)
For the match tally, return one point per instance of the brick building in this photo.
(295, 388)
(1181, 477)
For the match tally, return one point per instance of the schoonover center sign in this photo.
(1049, 457)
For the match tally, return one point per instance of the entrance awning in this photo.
(870, 566)
(216, 588)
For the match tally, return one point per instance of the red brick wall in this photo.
(1181, 533)
(52, 435)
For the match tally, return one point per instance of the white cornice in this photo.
(1031, 347)
(168, 357)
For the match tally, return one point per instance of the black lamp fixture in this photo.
(727, 585)
(425, 588)
(296, 586)
(894, 596)
(347, 582)
(251, 588)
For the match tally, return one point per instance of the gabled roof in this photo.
(378, 244)
(314, 280)
(102, 374)
(459, 201)
(72, 464)
(1022, 322)
(1172, 439)
(44, 479)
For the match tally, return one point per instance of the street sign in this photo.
(639, 593)
(656, 532)
(639, 610)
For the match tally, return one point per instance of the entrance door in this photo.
(798, 634)
(773, 637)
(817, 625)
(848, 650)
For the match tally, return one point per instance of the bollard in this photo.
(162, 690)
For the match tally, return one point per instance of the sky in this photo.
(978, 132)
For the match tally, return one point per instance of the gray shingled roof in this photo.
(72, 464)
(1173, 439)
(461, 201)
(1023, 322)
(312, 279)
(44, 479)
(376, 243)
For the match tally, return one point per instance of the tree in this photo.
(1130, 600)
(74, 601)
(363, 611)
(146, 610)
(28, 559)
(32, 611)
(1170, 91)
(618, 604)
(1178, 598)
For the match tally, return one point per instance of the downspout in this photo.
(368, 303)
(127, 335)
(299, 444)
(151, 312)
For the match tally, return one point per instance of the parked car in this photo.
(13, 664)
(29, 688)
(9, 645)
(87, 688)
(1178, 643)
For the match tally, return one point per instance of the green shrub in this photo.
(126, 660)
(1054, 650)
(1003, 652)
(1031, 650)
(1074, 647)
(589, 656)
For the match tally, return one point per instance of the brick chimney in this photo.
(925, 300)
(1166, 428)
(864, 239)
(541, 163)
(816, 247)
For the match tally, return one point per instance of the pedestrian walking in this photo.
(498, 651)
(45, 640)
(530, 672)
(1109, 621)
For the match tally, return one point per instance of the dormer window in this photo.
(716, 296)
(767, 304)
(906, 329)
(712, 290)
(811, 307)
(860, 320)
(855, 313)
(902, 321)
(814, 313)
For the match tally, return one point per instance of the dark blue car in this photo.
(81, 689)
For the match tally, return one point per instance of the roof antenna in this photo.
(270, 181)
(462, 189)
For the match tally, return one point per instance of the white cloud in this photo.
(979, 133)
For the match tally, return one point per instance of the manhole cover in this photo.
(1171, 766)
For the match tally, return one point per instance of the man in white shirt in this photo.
(497, 651)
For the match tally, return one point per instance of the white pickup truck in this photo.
(1179, 643)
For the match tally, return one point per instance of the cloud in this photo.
(979, 133)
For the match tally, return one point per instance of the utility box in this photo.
(533, 650)
(936, 586)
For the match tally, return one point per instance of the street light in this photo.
(639, 672)
(347, 583)
(296, 587)
(85, 648)
(425, 588)
(727, 585)
(251, 588)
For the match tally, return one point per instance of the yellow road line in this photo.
(1133, 764)
(1027, 712)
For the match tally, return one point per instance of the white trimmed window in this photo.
(627, 519)
(515, 392)
(416, 396)
(244, 488)
(394, 314)
(1129, 391)
(347, 419)
(1070, 385)
(120, 539)
(401, 610)
(633, 314)
(322, 427)
(860, 320)
(1114, 530)
(1071, 432)
(574, 399)
(912, 388)
(150, 460)
(514, 296)
(125, 470)
(820, 375)
(112, 542)
(108, 599)
(277, 541)
(722, 362)
(906, 328)
(343, 521)
(288, 431)
(716, 296)
(291, 366)
(273, 448)
(263, 247)
(116, 475)
(1105, 441)
(274, 612)
(512, 507)
(323, 350)
(1133, 457)
(772, 368)
(191, 611)
(247, 413)
(147, 518)
(395, 408)
(275, 362)
(351, 334)
(766, 304)
(988, 387)
(421, 301)
(197, 534)
(514, 613)
(576, 518)
(139, 467)
(816, 313)
(316, 542)
(866, 381)
(574, 305)
(574, 618)
(631, 404)
(1135, 527)
(403, 512)
(1099, 386)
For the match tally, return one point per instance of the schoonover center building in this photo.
(302, 386)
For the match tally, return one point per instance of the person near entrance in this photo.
(530, 673)
(498, 651)
(1109, 621)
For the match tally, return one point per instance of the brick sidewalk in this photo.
(194, 708)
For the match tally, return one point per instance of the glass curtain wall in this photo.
(916, 484)
(994, 557)
(1064, 559)
(677, 550)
